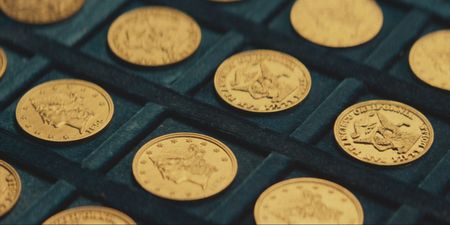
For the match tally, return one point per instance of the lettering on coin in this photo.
(383, 132)
(10, 187)
(3, 62)
(40, 11)
(90, 215)
(154, 36)
(184, 166)
(262, 81)
(307, 201)
(337, 23)
(429, 59)
(64, 110)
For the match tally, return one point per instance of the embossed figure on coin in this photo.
(429, 59)
(308, 206)
(87, 215)
(154, 36)
(184, 166)
(262, 81)
(376, 130)
(337, 23)
(307, 201)
(64, 110)
(40, 11)
(383, 132)
(10, 187)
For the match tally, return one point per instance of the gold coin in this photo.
(262, 81)
(10, 187)
(383, 132)
(429, 59)
(40, 11)
(308, 201)
(3, 62)
(90, 215)
(64, 110)
(184, 166)
(154, 36)
(337, 23)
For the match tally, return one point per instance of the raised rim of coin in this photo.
(295, 24)
(41, 21)
(64, 81)
(416, 112)
(19, 184)
(66, 212)
(4, 61)
(412, 55)
(338, 187)
(119, 19)
(224, 64)
(147, 145)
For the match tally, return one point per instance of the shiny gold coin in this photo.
(337, 23)
(90, 215)
(184, 166)
(262, 81)
(64, 110)
(3, 62)
(308, 201)
(40, 11)
(383, 132)
(10, 187)
(429, 59)
(154, 36)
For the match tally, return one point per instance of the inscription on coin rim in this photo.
(146, 146)
(319, 181)
(409, 110)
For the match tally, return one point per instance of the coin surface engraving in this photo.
(154, 36)
(40, 11)
(307, 201)
(64, 110)
(3, 62)
(337, 23)
(10, 187)
(262, 81)
(429, 59)
(90, 215)
(184, 166)
(383, 132)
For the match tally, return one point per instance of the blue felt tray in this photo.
(154, 101)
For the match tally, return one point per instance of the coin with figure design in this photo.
(184, 166)
(64, 110)
(262, 81)
(90, 215)
(429, 59)
(3, 62)
(10, 187)
(154, 36)
(383, 132)
(337, 23)
(307, 201)
(40, 11)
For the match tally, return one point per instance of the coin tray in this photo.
(269, 147)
